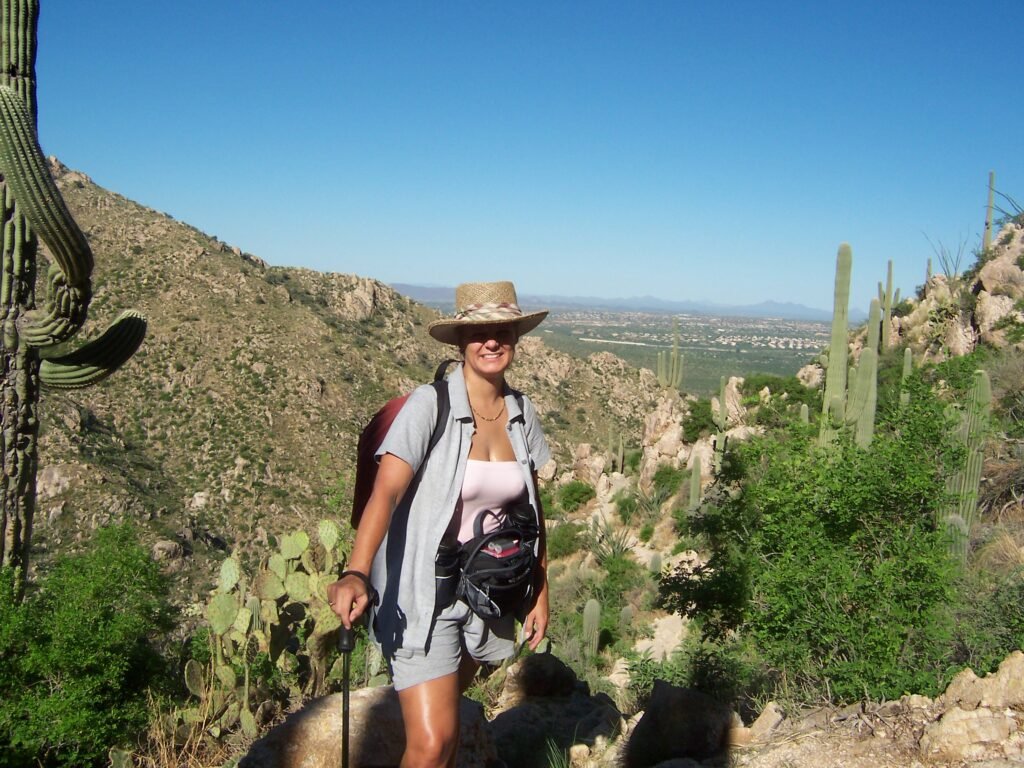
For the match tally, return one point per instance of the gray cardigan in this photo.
(403, 569)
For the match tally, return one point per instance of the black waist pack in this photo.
(496, 570)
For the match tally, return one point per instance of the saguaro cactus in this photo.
(986, 237)
(963, 485)
(670, 364)
(887, 299)
(833, 400)
(31, 209)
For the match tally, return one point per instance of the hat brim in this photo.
(447, 331)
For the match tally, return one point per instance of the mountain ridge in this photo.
(441, 297)
(237, 419)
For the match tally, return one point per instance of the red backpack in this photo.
(376, 430)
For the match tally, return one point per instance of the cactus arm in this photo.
(99, 358)
(35, 193)
(65, 313)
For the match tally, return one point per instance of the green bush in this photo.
(627, 506)
(666, 481)
(77, 657)
(699, 422)
(563, 539)
(830, 562)
(574, 495)
(633, 458)
(991, 619)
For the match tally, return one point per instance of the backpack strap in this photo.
(444, 406)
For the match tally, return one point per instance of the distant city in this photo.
(441, 297)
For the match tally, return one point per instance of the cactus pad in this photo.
(328, 533)
(226, 674)
(294, 544)
(269, 586)
(194, 678)
(230, 571)
(278, 566)
(297, 586)
(221, 613)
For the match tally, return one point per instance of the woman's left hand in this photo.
(535, 626)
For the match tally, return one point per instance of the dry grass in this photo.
(1002, 554)
(173, 744)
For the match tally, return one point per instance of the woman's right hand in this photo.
(348, 598)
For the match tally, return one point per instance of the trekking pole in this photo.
(346, 643)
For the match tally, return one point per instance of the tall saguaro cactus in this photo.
(670, 364)
(32, 210)
(986, 237)
(963, 484)
(833, 400)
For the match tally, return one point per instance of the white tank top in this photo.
(488, 485)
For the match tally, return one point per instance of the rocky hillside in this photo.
(238, 418)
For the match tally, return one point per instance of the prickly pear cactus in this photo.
(280, 615)
(32, 210)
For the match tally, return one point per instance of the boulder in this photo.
(678, 723)
(311, 737)
(967, 735)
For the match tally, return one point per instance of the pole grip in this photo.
(346, 639)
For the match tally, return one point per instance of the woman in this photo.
(486, 459)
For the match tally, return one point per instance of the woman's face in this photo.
(489, 349)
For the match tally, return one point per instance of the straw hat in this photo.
(484, 304)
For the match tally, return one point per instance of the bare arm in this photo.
(535, 626)
(348, 596)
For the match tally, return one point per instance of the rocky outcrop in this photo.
(312, 737)
(953, 316)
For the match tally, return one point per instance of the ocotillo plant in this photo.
(833, 400)
(986, 238)
(963, 485)
(33, 210)
(670, 364)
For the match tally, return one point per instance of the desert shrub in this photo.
(632, 460)
(575, 494)
(788, 388)
(830, 562)
(726, 669)
(77, 656)
(990, 620)
(563, 539)
(698, 422)
(626, 505)
(666, 481)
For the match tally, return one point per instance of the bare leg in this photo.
(430, 712)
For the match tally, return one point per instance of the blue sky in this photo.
(686, 150)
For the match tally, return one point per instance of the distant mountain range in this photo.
(441, 297)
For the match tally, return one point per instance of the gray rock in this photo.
(678, 723)
(311, 737)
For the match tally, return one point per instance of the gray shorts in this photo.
(456, 630)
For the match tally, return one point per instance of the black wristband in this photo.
(371, 593)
